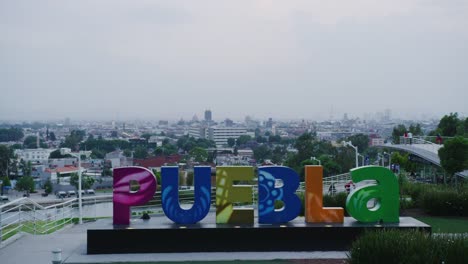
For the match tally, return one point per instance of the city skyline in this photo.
(121, 60)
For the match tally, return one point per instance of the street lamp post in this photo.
(314, 158)
(389, 159)
(381, 158)
(64, 151)
(362, 156)
(348, 143)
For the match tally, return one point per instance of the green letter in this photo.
(385, 192)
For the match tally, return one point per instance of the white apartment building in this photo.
(40, 154)
(197, 131)
(221, 134)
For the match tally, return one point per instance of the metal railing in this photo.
(420, 143)
(336, 183)
(27, 215)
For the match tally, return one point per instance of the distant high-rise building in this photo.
(208, 117)
(269, 123)
(163, 122)
(228, 122)
(387, 115)
(221, 134)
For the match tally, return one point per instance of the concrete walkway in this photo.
(72, 241)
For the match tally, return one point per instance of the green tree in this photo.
(6, 154)
(167, 149)
(106, 172)
(140, 153)
(158, 176)
(25, 184)
(16, 146)
(198, 154)
(97, 154)
(304, 145)
(242, 140)
(416, 130)
(262, 153)
(57, 155)
(359, 140)
(274, 139)
(146, 136)
(52, 136)
(454, 155)
(398, 132)
(127, 153)
(231, 142)
(5, 182)
(86, 181)
(30, 142)
(465, 128)
(26, 167)
(278, 154)
(448, 125)
(48, 186)
(73, 140)
(11, 134)
(330, 166)
(261, 139)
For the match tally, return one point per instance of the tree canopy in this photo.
(25, 183)
(6, 154)
(198, 154)
(11, 134)
(454, 155)
(86, 181)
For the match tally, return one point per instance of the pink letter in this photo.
(124, 197)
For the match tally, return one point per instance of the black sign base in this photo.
(160, 235)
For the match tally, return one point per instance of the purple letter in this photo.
(124, 197)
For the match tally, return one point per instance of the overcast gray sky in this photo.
(284, 59)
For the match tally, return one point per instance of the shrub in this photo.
(445, 202)
(337, 200)
(405, 246)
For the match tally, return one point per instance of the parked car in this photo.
(90, 191)
(45, 194)
(3, 198)
(61, 194)
(71, 193)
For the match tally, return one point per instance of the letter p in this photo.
(124, 196)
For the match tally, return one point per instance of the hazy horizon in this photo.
(166, 60)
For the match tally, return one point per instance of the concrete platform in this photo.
(72, 241)
(161, 235)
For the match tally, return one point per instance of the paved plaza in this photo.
(71, 240)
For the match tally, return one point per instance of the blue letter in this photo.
(170, 195)
(268, 193)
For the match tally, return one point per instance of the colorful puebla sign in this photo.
(384, 188)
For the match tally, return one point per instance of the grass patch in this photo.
(39, 227)
(446, 224)
(408, 247)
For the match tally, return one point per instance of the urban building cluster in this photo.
(103, 146)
